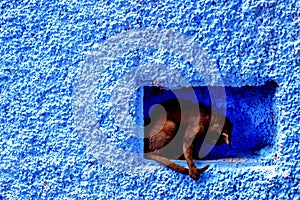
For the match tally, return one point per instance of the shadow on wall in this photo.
(250, 109)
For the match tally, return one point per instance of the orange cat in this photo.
(176, 129)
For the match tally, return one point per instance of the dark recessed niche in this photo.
(250, 109)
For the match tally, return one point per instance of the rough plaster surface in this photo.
(45, 44)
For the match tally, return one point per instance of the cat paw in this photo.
(201, 170)
(194, 173)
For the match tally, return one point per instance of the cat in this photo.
(177, 128)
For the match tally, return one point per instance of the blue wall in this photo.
(46, 44)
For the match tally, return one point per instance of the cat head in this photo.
(225, 136)
(218, 134)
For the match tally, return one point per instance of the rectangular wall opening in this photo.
(250, 108)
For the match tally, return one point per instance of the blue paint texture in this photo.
(45, 44)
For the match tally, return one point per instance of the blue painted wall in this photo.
(45, 44)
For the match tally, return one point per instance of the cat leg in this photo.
(160, 137)
(168, 163)
(188, 150)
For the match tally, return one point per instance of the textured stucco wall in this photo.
(45, 44)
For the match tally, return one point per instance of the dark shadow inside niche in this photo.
(250, 108)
